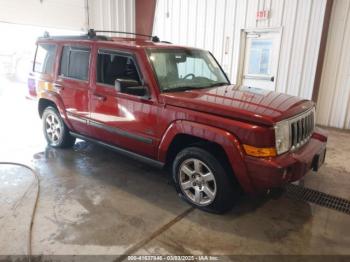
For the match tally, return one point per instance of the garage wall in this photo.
(116, 15)
(334, 97)
(64, 14)
(216, 25)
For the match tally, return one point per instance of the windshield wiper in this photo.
(176, 89)
(219, 84)
(185, 88)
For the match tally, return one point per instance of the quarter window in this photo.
(75, 62)
(44, 59)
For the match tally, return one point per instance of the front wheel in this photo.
(55, 130)
(202, 180)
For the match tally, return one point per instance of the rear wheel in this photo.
(202, 180)
(55, 130)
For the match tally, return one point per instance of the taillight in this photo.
(32, 87)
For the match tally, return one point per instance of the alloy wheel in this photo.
(53, 128)
(197, 182)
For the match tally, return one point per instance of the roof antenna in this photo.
(91, 33)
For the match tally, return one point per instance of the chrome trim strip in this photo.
(76, 118)
(110, 129)
(121, 132)
(303, 134)
(144, 159)
(297, 125)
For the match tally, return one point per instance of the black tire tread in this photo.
(226, 190)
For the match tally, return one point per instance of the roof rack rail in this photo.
(92, 34)
(74, 37)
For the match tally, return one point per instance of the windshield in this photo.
(178, 70)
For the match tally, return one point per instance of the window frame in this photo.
(130, 55)
(72, 46)
(54, 58)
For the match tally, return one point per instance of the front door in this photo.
(261, 59)
(125, 117)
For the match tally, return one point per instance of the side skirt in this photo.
(128, 153)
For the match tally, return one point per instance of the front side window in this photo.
(75, 62)
(45, 58)
(186, 69)
(115, 67)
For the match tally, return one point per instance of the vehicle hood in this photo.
(250, 104)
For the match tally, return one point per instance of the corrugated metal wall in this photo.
(216, 25)
(334, 97)
(64, 14)
(112, 15)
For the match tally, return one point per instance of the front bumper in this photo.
(292, 166)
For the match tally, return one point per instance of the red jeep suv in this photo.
(173, 106)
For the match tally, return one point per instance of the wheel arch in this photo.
(181, 134)
(52, 99)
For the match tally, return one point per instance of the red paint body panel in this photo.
(241, 103)
(267, 173)
(228, 115)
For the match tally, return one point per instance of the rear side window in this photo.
(45, 58)
(75, 62)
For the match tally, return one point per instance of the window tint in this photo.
(44, 59)
(111, 66)
(75, 62)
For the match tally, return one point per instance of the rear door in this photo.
(73, 83)
(126, 118)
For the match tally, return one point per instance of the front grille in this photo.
(319, 198)
(301, 128)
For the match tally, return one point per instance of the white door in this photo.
(261, 59)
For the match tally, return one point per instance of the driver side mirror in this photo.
(132, 87)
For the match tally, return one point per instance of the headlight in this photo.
(282, 136)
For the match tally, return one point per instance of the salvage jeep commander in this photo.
(174, 106)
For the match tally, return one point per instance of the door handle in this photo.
(58, 87)
(272, 79)
(100, 98)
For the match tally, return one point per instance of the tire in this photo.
(216, 191)
(55, 130)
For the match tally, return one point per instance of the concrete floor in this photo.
(94, 201)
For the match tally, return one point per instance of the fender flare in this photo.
(226, 140)
(57, 100)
